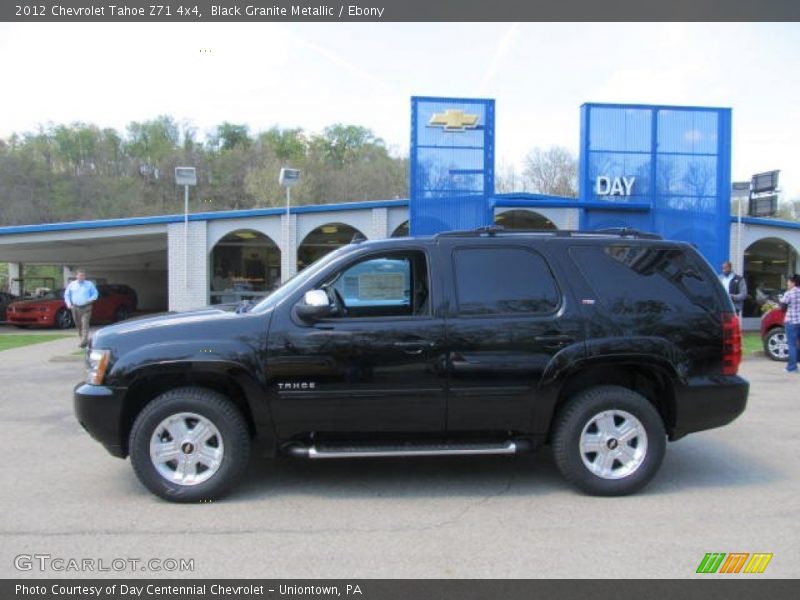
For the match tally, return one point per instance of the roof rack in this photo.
(495, 230)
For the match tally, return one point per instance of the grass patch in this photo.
(18, 340)
(751, 342)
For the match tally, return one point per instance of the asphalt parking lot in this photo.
(734, 489)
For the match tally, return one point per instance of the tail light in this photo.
(731, 344)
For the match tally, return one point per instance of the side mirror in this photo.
(314, 306)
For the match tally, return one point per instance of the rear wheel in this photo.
(189, 445)
(122, 313)
(775, 344)
(64, 319)
(609, 441)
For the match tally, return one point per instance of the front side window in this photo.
(390, 285)
(496, 281)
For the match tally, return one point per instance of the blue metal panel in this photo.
(451, 171)
(680, 159)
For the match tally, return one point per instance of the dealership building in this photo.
(665, 169)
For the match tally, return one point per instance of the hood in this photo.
(168, 319)
(36, 302)
(196, 325)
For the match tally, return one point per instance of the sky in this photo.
(311, 75)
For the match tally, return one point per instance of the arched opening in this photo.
(325, 238)
(402, 230)
(245, 265)
(523, 219)
(767, 263)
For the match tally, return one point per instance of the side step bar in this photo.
(418, 449)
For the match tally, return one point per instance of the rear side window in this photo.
(644, 279)
(496, 281)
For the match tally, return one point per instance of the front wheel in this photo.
(775, 345)
(189, 445)
(609, 441)
(64, 319)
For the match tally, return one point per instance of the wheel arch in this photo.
(650, 379)
(237, 386)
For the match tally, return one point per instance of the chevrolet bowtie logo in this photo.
(454, 120)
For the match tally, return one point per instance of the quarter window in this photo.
(491, 281)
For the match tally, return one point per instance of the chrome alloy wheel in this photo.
(778, 346)
(186, 449)
(613, 444)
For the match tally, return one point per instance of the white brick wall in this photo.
(288, 245)
(380, 224)
(187, 288)
(737, 248)
(14, 272)
(573, 219)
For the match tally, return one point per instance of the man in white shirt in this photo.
(79, 296)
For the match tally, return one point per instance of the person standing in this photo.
(79, 296)
(735, 285)
(791, 320)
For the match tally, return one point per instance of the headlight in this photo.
(96, 365)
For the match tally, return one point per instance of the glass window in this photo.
(386, 286)
(492, 281)
(639, 280)
(624, 128)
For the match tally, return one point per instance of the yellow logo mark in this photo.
(454, 120)
(758, 563)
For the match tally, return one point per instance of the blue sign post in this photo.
(451, 164)
(676, 158)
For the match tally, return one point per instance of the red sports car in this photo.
(114, 303)
(774, 335)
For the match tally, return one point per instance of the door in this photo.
(506, 324)
(377, 366)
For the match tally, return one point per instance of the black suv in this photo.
(603, 345)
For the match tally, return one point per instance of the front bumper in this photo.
(31, 319)
(708, 402)
(99, 410)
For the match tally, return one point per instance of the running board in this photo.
(321, 451)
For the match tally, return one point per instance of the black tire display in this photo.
(609, 441)
(775, 345)
(189, 445)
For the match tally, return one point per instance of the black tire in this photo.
(775, 345)
(122, 313)
(64, 319)
(210, 406)
(580, 417)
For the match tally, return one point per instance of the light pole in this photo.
(288, 178)
(185, 176)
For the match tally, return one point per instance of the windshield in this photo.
(299, 280)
